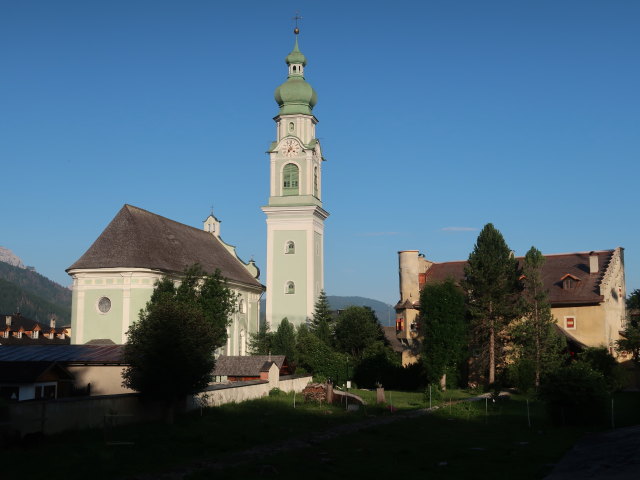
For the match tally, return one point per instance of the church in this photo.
(115, 277)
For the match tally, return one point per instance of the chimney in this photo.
(593, 263)
(8, 320)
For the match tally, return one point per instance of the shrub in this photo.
(600, 360)
(575, 394)
(275, 392)
(522, 374)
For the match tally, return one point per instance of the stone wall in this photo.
(54, 416)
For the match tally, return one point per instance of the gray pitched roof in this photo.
(85, 354)
(136, 238)
(245, 366)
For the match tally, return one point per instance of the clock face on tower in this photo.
(291, 148)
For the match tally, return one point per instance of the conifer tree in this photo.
(492, 286)
(260, 342)
(322, 322)
(534, 335)
(284, 340)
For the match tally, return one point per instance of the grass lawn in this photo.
(466, 440)
(457, 441)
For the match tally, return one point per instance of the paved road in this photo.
(613, 455)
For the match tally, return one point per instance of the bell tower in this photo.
(295, 217)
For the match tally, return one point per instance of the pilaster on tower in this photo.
(295, 217)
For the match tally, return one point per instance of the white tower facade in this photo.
(295, 217)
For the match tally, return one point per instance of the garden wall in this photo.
(54, 416)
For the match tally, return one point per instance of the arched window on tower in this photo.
(290, 288)
(315, 181)
(290, 248)
(290, 176)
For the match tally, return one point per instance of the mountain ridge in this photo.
(33, 295)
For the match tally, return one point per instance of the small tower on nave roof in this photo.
(212, 225)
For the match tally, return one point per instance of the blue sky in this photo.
(436, 117)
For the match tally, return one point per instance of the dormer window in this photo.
(35, 334)
(569, 281)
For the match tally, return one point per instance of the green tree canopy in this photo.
(261, 343)
(633, 300)
(169, 350)
(492, 286)
(284, 341)
(536, 339)
(319, 358)
(444, 328)
(356, 329)
(322, 322)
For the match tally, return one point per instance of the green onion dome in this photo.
(296, 96)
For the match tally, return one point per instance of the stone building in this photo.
(115, 277)
(586, 290)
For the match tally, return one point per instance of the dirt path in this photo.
(603, 456)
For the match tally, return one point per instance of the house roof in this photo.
(136, 238)
(29, 372)
(245, 366)
(83, 354)
(392, 338)
(555, 268)
(27, 325)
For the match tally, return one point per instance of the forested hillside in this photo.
(34, 295)
(384, 312)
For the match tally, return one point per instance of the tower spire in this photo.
(297, 30)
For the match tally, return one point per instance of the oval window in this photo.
(104, 305)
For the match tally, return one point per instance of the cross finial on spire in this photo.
(296, 18)
(212, 210)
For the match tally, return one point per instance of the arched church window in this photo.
(290, 247)
(291, 288)
(290, 179)
(242, 306)
(292, 127)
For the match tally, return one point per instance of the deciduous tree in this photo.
(444, 328)
(356, 329)
(169, 350)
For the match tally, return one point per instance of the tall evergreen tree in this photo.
(284, 341)
(322, 322)
(444, 328)
(534, 335)
(491, 283)
(260, 342)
